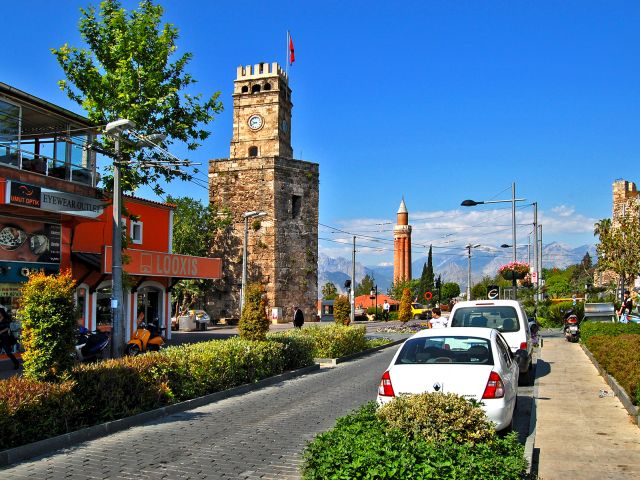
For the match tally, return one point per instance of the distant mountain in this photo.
(450, 264)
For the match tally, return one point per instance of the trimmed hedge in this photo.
(32, 410)
(332, 341)
(590, 329)
(620, 357)
(364, 446)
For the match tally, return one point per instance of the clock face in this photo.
(255, 122)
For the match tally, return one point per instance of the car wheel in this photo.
(416, 317)
(526, 379)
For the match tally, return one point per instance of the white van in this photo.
(506, 316)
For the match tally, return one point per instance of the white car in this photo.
(475, 363)
(506, 316)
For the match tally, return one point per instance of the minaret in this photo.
(402, 245)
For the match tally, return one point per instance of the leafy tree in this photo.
(254, 323)
(129, 70)
(396, 290)
(479, 291)
(193, 225)
(365, 287)
(404, 312)
(48, 325)
(342, 310)
(329, 291)
(619, 249)
(449, 290)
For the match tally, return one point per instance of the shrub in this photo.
(363, 446)
(590, 329)
(437, 417)
(342, 310)
(31, 410)
(48, 325)
(404, 312)
(334, 341)
(254, 323)
(558, 310)
(298, 348)
(620, 357)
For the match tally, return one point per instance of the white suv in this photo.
(506, 316)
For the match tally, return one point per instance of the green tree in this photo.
(449, 290)
(479, 291)
(130, 70)
(254, 323)
(404, 312)
(427, 279)
(329, 291)
(342, 310)
(193, 226)
(396, 290)
(365, 287)
(48, 325)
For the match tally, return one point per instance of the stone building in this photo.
(262, 176)
(402, 245)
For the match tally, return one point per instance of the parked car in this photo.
(475, 363)
(360, 313)
(201, 318)
(506, 316)
(419, 311)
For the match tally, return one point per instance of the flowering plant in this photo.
(518, 267)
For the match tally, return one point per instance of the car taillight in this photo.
(386, 389)
(494, 388)
(523, 346)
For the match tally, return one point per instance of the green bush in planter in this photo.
(298, 348)
(364, 446)
(342, 310)
(254, 323)
(589, 329)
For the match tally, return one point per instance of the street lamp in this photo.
(246, 216)
(116, 129)
(473, 203)
(469, 247)
(374, 294)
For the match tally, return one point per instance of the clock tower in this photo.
(272, 199)
(261, 112)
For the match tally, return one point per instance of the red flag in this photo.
(292, 57)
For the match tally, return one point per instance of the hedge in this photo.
(94, 393)
(332, 341)
(620, 357)
(364, 446)
(590, 329)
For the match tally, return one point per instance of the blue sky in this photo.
(435, 101)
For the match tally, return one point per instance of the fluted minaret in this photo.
(402, 245)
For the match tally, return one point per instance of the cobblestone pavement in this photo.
(260, 434)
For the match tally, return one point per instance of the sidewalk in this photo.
(578, 434)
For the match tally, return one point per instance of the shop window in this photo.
(296, 205)
(136, 232)
(253, 151)
(103, 308)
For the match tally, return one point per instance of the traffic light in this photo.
(438, 282)
(347, 284)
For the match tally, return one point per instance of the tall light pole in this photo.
(246, 216)
(352, 300)
(513, 200)
(469, 247)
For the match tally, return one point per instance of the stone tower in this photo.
(402, 245)
(262, 176)
(623, 191)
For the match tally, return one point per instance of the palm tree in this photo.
(602, 227)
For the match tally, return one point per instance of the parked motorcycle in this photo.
(90, 345)
(146, 338)
(571, 327)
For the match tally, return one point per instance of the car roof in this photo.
(479, 332)
(487, 303)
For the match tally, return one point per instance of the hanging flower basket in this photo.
(514, 270)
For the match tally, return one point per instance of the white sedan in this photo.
(473, 362)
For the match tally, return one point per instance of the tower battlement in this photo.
(260, 70)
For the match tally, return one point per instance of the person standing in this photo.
(7, 340)
(385, 310)
(298, 317)
(626, 308)
(437, 320)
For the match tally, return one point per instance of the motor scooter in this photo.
(90, 345)
(146, 338)
(571, 327)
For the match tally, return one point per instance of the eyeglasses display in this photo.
(29, 241)
(12, 238)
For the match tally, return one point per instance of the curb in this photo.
(24, 452)
(529, 445)
(332, 362)
(615, 386)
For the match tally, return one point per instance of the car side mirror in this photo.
(521, 358)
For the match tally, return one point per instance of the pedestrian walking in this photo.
(7, 340)
(437, 321)
(385, 310)
(298, 317)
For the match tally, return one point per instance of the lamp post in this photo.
(246, 216)
(469, 247)
(374, 294)
(513, 200)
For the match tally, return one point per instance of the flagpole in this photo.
(286, 57)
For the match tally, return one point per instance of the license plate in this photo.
(573, 329)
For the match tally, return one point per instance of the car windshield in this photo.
(417, 306)
(501, 317)
(446, 349)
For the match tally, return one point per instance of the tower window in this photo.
(267, 86)
(245, 89)
(253, 151)
(255, 89)
(296, 205)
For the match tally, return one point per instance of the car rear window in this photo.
(503, 318)
(446, 349)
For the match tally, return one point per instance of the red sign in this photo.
(159, 264)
